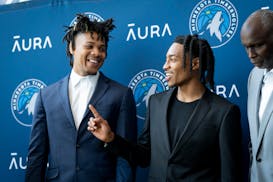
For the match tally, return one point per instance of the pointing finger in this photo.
(94, 111)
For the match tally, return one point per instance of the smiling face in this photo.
(88, 54)
(176, 74)
(258, 42)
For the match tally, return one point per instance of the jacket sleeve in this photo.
(135, 153)
(38, 147)
(127, 128)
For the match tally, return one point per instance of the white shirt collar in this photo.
(268, 75)
(267, 71)
(75, 78)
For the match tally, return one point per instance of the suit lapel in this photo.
(164, 123)
(102, 86)
(194, 121)
(100, 90)
(63, 92)
(254, 91)
(266, 118)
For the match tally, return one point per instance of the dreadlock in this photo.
(82, 25)
(197, 47)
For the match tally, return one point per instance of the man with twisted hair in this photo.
(190, 133)
(61, 149)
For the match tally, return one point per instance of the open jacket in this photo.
(76, 155)
(261, 135)
(209, 148)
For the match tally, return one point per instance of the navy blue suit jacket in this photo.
(76, 155)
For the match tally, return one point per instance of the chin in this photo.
(92, 72)
(171, 85)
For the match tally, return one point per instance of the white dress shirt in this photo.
(266, 91)
(81, 89)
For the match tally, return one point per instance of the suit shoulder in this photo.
(254, 72)
(55, 84)
(217, 100)
(160, 95)
(51, 89)
(115, 84)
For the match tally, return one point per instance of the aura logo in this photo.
(34, 43)
(23, 100)
(144, 84)
(17, 162)
(216, 21)
(149, 31)
(90, 15)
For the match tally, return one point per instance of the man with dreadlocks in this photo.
(190, 134)
(257, 38)
(61, 148)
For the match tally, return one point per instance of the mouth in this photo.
(168, 76)
(93, 61)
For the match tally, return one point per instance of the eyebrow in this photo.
(171, 55)
(94, 42)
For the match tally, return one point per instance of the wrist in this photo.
(110, 137)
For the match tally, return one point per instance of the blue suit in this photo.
(76, 155)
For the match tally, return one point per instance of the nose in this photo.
(166, 66)
(95, 52)
(251, 52)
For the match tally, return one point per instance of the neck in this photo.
(190, 93)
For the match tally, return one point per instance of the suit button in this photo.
(78, 145)
(77, 168)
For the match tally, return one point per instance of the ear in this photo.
(195, 64)
(70, 48)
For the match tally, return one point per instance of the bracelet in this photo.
(111, 138)
(105, 145)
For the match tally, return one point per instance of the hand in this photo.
(99, 127)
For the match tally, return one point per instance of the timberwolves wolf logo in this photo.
(90, 15)
(23, 100)
(144, 84)
(215, 21)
